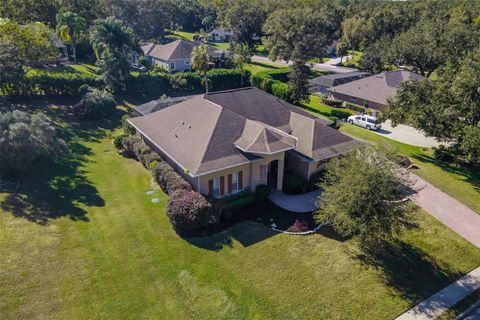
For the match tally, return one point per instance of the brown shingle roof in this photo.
(376, 88)
(175, 50)
(205, 134)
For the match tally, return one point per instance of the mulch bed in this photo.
(266, 213)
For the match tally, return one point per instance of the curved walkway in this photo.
(295, 203)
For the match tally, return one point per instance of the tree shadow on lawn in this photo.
(471, 174)
(409, 270)
(247, 233)
(58, 189)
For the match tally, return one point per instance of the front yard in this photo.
(82, 240)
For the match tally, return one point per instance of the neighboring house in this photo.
(373, 91)
(219, 35)
(231, 141)
(176, 55)
(159, 104)
(322, 83)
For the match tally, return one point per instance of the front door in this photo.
(272, 174)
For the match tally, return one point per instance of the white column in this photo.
(281, 164)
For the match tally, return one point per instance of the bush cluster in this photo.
(96, 104)
(188, 210)
(355, 107)
(154, 83)
(261, 192)
(332, 102)
(239, 202)
(274, 82)
(54, 83)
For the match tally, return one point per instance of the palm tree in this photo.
(110, 34)
(200, 61)
(242, 55)
(112, 43)
(69, 26)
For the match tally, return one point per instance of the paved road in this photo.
(448, 210)
(473, 313)
(440, 302)
(328, 66)
(406, 134)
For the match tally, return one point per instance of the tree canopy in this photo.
(371, 209)
(24, 138)
(447, 108)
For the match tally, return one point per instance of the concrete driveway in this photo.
(406, 134)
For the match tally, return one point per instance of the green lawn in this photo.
(459, 182)
(316, 106)
(255, 66)
(188, 36)
(82, 240)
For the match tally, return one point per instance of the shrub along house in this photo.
(231, 141)
(176, 55)
(373, 91)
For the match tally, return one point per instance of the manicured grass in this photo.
(101, 249)
(255, 66)
(459, 182)
(188, 36)
(316, 106)
(85, 68)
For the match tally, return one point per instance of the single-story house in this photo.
(231, 141)
(155, 105)
(219, 35)
(176, 55)
(373, 91)
(322, 83)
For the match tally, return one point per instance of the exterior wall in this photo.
(192, 180)
(297, 165)
(180, 65)
(245, 168)
(361, 102)
(317, 166)
(259, 172)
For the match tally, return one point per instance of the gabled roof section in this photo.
(376, 88)
(258, 138)
(257, 105)
(336, 79)
(175, 50)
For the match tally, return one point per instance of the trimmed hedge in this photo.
(239, 202)
(261, 192)
(52, 83)
(274, 82)
(355, 107)
(188, 210)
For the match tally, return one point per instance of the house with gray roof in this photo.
(323, 83)
(231, 141)
(219, 35)
(373, 91)
(176, 55)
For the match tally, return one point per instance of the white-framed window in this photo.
(234, 182)
(172, 65)
(216, 187)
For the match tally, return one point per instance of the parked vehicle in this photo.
(138, 67)
(365, 121)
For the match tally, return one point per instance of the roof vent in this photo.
(183, 123)
(176, 136)
(189, 127)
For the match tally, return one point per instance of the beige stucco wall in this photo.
(317, 166)
(251, 173)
